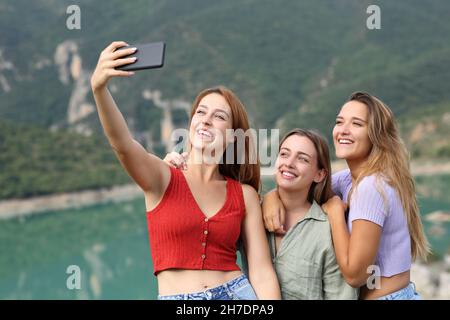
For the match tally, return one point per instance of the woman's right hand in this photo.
(273, 212)
(109, 59)
(176, 160)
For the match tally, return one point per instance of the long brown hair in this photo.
(248, 173)
(389, 158)
(320, 192)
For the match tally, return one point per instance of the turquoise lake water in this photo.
(110, 245)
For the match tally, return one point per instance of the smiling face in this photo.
(350, 134)
(209, 123)
(296, 166)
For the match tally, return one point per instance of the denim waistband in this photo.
(407, 293)
(231, 285)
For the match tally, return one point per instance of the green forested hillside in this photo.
(293, 63)
(35, 161)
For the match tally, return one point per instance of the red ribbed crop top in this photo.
(182, 237)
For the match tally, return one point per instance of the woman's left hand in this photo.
(176, 160)
(334, 205)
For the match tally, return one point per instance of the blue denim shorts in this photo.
(236, 289)
(407, 293)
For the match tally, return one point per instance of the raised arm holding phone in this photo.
(193, 233)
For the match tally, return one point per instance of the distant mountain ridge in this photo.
(293, 64)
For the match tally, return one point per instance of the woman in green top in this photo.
(303, 256)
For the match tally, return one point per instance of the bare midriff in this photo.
(174, 281)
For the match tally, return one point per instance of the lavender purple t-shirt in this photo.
(367, 203)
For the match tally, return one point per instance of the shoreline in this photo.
(13, 208)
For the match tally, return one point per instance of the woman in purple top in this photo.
(382, 233)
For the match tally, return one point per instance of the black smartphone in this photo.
(149, 56)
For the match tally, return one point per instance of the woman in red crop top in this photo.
(196, 216)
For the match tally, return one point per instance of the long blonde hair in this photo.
(390, 158)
